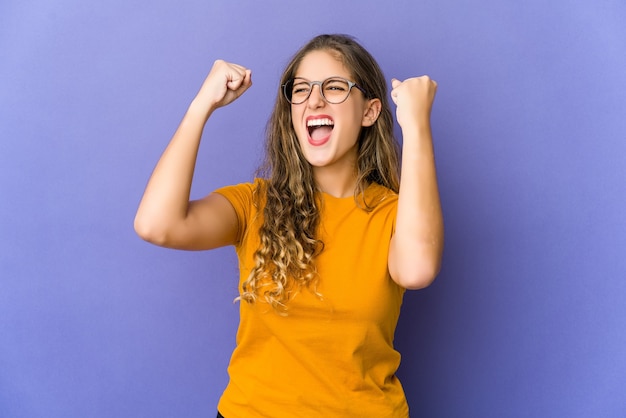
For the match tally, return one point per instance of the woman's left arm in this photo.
(417, 244)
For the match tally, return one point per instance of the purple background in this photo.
(528, 316)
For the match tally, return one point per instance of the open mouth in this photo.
(319, 129)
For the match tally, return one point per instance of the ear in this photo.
(372, 110)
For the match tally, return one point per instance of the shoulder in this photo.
(243, 199)
(378, 197)
(242, 193)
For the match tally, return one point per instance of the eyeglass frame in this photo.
(319, 84)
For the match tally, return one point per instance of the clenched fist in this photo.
(414, 99)
(225, 83)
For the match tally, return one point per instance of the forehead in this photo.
(319, 65)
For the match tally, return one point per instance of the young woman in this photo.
(328, 238)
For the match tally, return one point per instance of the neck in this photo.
(336, 182)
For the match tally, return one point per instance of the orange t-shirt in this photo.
(329, 357)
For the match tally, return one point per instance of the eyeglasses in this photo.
(334, 90)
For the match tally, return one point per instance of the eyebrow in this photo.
(332, 76)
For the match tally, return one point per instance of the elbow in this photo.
(414, 265)
(149, 231)
(416, 275)
(418, 279)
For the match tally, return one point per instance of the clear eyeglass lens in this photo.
(335, 90)
(299, 90)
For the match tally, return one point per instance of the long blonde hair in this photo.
(285, 259)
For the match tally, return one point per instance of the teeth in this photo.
(320, 122)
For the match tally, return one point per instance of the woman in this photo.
(328, 238)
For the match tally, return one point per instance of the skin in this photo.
(417, 246)
(167, 217)
(334, 163)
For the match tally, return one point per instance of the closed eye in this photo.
(301, 88)
(336, 85)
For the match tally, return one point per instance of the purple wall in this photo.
(528, 317)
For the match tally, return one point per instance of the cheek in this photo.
(296, 116)
(356, 120)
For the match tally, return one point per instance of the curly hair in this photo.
(285, 260)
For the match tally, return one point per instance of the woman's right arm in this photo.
(165, 215)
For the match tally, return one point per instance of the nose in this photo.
(315, 98)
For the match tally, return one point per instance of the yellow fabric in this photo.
(327, 358)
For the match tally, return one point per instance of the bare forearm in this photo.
(165, 215)
(418, 240)
(166, 198)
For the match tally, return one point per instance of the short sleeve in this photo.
(241, 198)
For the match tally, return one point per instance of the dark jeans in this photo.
(219, 415)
